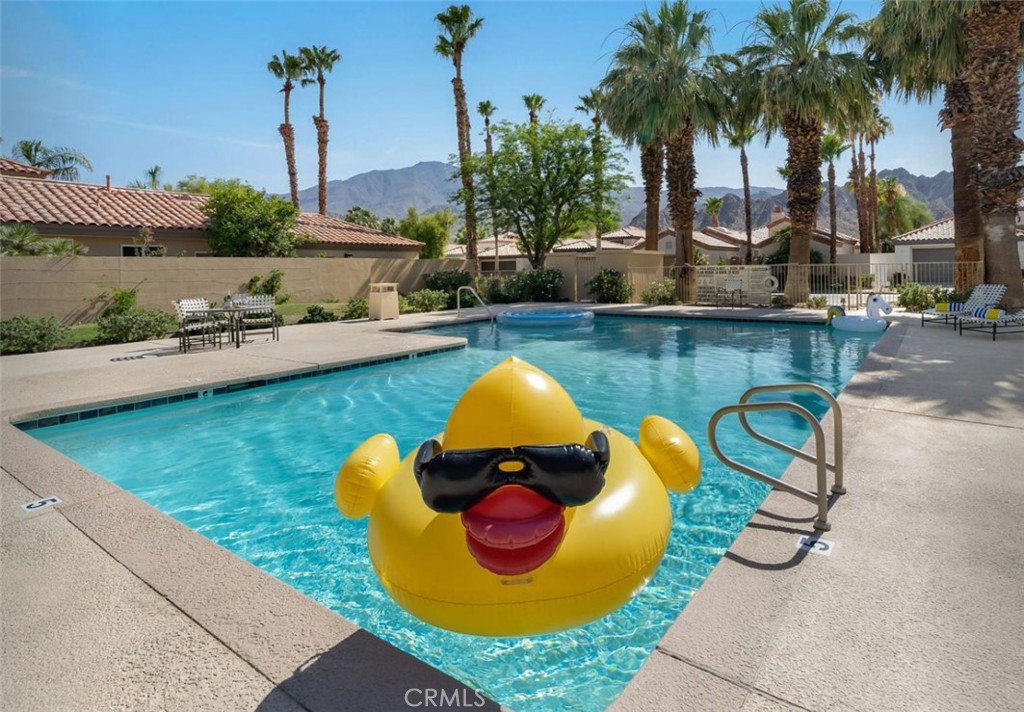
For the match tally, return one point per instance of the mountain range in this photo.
(427, 186)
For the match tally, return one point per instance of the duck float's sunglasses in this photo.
(455, 480)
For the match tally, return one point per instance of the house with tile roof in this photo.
(935, 242)
(107, 219)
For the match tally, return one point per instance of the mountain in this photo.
(934, 191)
(388, 193)
(428, 185)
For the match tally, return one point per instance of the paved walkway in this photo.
(108, 604)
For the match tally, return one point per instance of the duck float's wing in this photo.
(363, 474)
(671, 453)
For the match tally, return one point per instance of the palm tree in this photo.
(288, 68)
(662, 68)
(742, 115)
(713, 206)
(316, 62)
(832, 147)
(921, 48)
(891, 191)
(591, 104)
(486, 109)
(994, 58)
(458, 27)
(803, 79)
(20, 240)
(62, 162)
(878, 127)
(534, 103)
(152, 180)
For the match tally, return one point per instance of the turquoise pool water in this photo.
(267, 495)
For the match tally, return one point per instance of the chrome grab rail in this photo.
(458, 301)
(819, 459)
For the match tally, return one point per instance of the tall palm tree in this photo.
(832, 147)
(804, 77)
(534, 103)
(458, 27)
(664, 64)
(878, 127)
(994, 58)
(152, 180)
(921, 49)
(740, 124)
(62, 162)
(890, 192)
(486, 109)
(288, 69)
(316, 62)
(591, 104)
(713, 206)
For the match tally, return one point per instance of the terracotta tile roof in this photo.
(327, 229)
(10, 167)
(53, 202)
(940, 231)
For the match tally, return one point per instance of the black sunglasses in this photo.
(455, 480)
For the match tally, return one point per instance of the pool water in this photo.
(254, 472)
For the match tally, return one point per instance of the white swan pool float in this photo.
(837, 318)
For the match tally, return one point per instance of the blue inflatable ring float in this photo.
(545, 317)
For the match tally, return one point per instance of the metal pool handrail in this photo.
(458, 301)
(819, 459)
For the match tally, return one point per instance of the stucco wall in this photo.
(68, 288)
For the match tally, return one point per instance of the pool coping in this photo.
(270, 632)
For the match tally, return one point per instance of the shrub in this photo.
(119, 300)
(425, 300)
(356, 308)
(134, 324)
(663, 292)
(316, 314)
(611, 287)
(494, 290)
(447, 280)
(818, 302)
(22, 334)
(271, 284)
(538, 285)
(916, 297)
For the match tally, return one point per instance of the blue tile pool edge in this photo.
(61, 417)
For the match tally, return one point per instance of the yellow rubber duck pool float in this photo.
(523, 517)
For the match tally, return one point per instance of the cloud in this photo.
(171, 130)
(9, 72)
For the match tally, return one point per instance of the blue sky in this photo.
(184, 84)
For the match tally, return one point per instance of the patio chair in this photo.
(196, 326)
(995, 319)
(260, 313)
(982, 296)
(733, 289)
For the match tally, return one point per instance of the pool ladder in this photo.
(458, 302)
(818, 458)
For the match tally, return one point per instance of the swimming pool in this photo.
(270, 499)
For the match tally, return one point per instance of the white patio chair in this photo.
(260, 313)
(982, 296)
(196, 326)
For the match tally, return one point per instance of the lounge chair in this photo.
(260, 313)
(196, 326)
(994, 319)
(983, 296)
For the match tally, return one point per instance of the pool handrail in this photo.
(819, 459)
(458, 301)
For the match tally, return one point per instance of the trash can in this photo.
(384, 300)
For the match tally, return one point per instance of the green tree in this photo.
(898, 214)
(832, 147)
(389, 225)
(361, 216)
(289, 69)
(713, 206)
(458, 27)
(591, 104)
(486, 109)
(804, 78)
(921, 50)
(63, 162)
(547, 200)
(890, 191)
(152, 180)
(433, 230)
(316, 62)
(22, 240)
(994, 58)
(245, 222)
(205, 186)
(534, 103)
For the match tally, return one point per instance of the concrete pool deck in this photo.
(106, 603)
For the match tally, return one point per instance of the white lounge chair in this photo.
(993, 319)
(196, 326)
(982, 296)
(260, 313)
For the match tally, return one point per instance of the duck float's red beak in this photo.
(513, 530)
